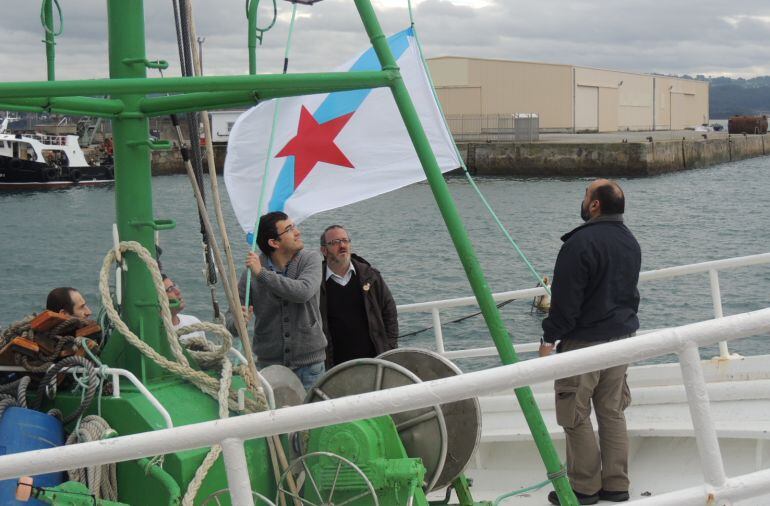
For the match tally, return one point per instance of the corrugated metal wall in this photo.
(569, 98)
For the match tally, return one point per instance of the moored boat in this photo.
(39, 161)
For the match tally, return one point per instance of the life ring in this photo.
(75, 175)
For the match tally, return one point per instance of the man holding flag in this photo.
(308, 154)
(284, 296)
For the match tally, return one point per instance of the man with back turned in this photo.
(595, 300)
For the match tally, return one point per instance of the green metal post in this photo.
(50, 42)
(133, 194)
(252, 15)
(465, 250)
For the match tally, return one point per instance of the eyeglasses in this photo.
(290, 228)
(172, 288)
(338, 242)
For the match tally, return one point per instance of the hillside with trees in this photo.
(728, 97)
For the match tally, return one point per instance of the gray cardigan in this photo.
(287, 321)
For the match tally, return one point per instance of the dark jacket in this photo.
(380, 308)
(594, 295)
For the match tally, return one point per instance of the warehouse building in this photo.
(480, 94)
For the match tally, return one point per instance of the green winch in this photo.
(357, 460)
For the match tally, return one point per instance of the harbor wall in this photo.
(546, 159)
(619, 159)
(170, 162)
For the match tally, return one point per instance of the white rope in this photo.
(213, 455)
(180, 366)
(101, 481)
(207, 354)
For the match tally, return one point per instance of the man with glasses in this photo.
(179, 319)
(359, 313)
(284, 300)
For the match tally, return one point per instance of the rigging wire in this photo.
(182, 17)
(457, 320)
(270, 143)
(468, 176)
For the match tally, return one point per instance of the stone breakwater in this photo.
(572, 158)
(619, 159)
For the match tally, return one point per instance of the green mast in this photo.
(465, 250)
(50, 36)
(133, 194)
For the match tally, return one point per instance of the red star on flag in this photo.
(314, 143)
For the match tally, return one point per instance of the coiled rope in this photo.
(101, 481)
(180, 366)
(218, 389)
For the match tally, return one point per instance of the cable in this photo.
(492, 213)
(261, 200)
(458, 320)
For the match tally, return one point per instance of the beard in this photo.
(584, 213)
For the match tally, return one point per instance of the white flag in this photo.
(334, 149)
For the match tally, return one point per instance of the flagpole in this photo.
(465, 250)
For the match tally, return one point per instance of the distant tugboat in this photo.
(38, 161)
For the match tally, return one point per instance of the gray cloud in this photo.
(676, 36)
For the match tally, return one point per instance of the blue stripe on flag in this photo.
(284, 186)
(335, 105)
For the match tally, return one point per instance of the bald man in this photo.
(594, 300)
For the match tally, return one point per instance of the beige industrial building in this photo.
(565, 97)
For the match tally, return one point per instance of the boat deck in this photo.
(663, 453)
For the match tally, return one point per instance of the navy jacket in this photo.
(594, 295)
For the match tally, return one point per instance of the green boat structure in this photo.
(158, 424)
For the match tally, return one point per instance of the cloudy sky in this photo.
(667, 36)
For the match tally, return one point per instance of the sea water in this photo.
(59, 238)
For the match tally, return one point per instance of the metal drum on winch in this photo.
(23, 430)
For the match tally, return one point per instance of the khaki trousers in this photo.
(592, 466)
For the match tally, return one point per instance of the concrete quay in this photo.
(617, 154)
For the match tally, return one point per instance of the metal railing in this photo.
(711, 267)
(481, 127)
(116, 375)
(231, 433)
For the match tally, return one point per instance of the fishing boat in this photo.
(151, 423)
(40, 161)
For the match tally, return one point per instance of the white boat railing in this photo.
(712, 268)
(232, 432)
(116, 375)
